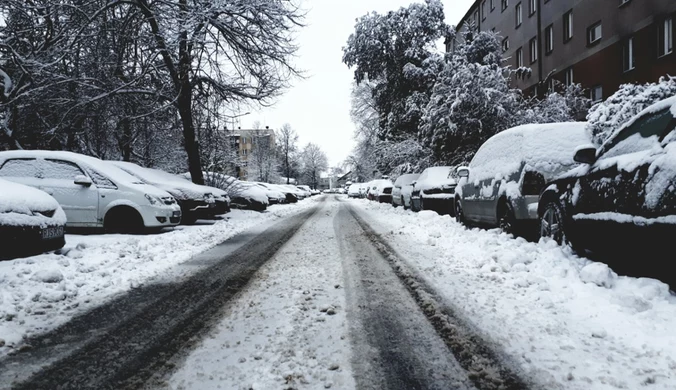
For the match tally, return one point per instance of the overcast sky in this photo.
(318, 107)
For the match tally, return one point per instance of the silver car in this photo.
(401, 194)
(502, 184)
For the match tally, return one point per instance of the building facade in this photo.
(246, 142)
(599, 44)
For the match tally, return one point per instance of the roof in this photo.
(345, 176)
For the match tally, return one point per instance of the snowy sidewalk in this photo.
(39, 293)
(567, 322)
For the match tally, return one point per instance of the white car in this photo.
(306, 190)
(31, 221)
(196, 201)
(239, 194)
(275, 196)
(401, 194)
(434, 190)
(92, 193)
(381, 191)
(354, 190)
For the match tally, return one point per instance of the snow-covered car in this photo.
(381, 191)
(315, 192)
(306, 190)
(291, 195)
(275, 196)
(623, 195)
(300, 194)
(341, 191)
(196, 201)
(92, 193)
(243, 195)
(31, 221)
(401, 193)
(355, 190)
(502, 184)
(434, 190)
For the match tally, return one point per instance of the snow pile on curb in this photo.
(565, 321)
(41, 292)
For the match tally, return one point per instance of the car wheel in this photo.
(507, 220)
(124, 220)
(403, 203)
(552, 222)
(459, 215)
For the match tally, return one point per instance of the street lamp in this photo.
(233, 117)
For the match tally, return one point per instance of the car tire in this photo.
(123, 220)
(403, 203)
(459, 214)
(507, 220)
(553, 222)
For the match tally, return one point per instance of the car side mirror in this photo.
(83, 180)
(585, 155)
(463, 172)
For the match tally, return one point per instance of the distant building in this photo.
(340, 182)
(243, 140)
(597, 43)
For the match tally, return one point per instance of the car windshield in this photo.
(645, 133)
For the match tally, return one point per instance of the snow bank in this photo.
(41, 292)
(18, 203)
(567, 322)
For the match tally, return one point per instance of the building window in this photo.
(568, 26)
(549, 39)
(505, 4)
(519, 58)
(492, 5)
(596, 94)
(533, 45)
(483, 10)
(532, 7)
(594, 33)
(666, 37)
(505, 44)
(628, 55)
(569, 77)
(519, 17)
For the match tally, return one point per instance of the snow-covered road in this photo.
(362, 295)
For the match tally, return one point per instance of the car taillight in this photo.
(533, 183)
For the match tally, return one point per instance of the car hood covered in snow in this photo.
(22, 205)
(180, 188)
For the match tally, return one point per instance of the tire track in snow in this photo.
(485, 368)
(136, 349)
(394, 346)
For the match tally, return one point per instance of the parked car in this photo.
(623, 196)
(300, 194)
(355, 190)
(306, 190)
(92, 193)
(31, 221)
(291, 194)
(381, 190)
(401, 193)
(275, 196)
(315, 192)
(502, 184)
(242, 195)
(196, 201)
(434, 190)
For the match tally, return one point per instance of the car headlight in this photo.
(154, 200)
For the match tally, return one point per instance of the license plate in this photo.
(52, 232)
(176, 214)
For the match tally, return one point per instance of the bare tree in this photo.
(263, 159)
(238, 50)
(287, 147)
(314, 163)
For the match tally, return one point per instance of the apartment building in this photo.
(597, 43)
(246, 141)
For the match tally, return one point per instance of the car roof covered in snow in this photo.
(547, 148)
